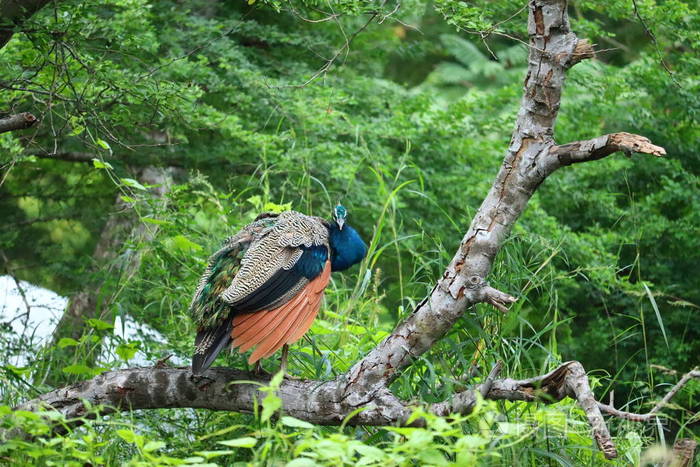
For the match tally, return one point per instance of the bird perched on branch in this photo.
(263, 288)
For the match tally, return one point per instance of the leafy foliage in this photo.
(404, 117)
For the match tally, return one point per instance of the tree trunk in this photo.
(112, 265)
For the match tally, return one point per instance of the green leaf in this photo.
(245, 442)
(369, 452)
(130, 182)
(272, 207)
(150, 220)
(128, 436)
(98, 324)
(658, 314)
(154, 446)
(66, 342)
(212, 454)
(271, 404)
(296, 423)
(302, 462)
(103, 144)
(101, 164)
(471, 442)
(17, 371)
(181, 243)
(127, 351)
(77, 369)
(127, 199)
(432, 456)
(77, 126)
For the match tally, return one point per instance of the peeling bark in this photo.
(530, 158)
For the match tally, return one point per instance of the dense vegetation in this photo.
(404, 115)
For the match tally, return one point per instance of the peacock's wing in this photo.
(271, 274)
(207, 309)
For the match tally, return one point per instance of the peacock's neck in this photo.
(347, 248)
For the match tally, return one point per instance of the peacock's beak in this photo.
(341, 222)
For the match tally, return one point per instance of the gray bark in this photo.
(17, 122)
(322, 403)
(531, 157)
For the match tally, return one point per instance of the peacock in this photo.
(263, 288)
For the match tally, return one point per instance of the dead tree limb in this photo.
(19, 121)
(531, 157)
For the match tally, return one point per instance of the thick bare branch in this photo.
(319, 402)
(597, 148)
(553, 49)
(15, 122)
(151, 388)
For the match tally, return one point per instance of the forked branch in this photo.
(645, 417)
(320, 402)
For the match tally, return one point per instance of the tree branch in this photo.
(319, 402)
(637, 417)
(15, 122)
(602, 146)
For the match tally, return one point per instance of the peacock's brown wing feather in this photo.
(270, 263)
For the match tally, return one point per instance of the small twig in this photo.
(651, 34)
(496, 298)
(668, 371)
(161, 363)
(345, 47)
(488, 382)
(644, 417)
(603, 146)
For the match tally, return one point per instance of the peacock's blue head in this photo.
(339, 215)
(347, 248)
